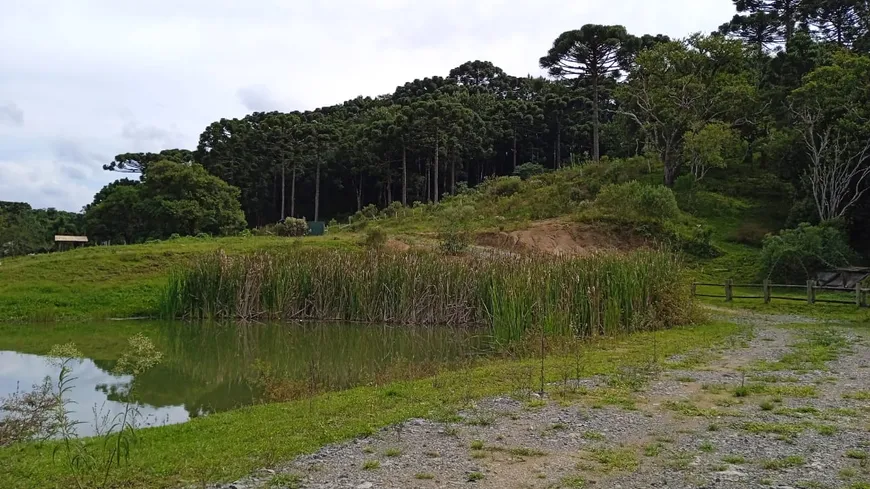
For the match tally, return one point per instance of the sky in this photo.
(84, 80)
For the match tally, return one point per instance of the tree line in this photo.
(782, 87)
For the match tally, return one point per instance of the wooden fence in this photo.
(858, 294)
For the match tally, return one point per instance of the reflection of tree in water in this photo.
(212, 367)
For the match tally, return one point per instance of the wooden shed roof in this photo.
(60, 238)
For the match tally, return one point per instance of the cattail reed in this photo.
(596, 295)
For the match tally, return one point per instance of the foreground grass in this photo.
(115, 281)
(227, 446)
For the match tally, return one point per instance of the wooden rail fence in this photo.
(859, 294)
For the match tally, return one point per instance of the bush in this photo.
(454, 241)
(375, 239)
(393, 209)
(292, 227)
(245, 233)
(528, 170)
(638, 201)
(505, 186)
(795, 255)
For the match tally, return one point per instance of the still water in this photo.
(208, 368)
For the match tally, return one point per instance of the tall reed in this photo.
(596, 295)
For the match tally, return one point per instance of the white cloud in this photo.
(11, 114)
(114, 77)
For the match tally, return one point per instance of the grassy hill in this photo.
(719, 232)
(113, 281)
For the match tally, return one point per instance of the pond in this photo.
(208, 368)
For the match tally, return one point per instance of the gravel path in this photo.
(782, 407)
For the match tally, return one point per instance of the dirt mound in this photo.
(396, 245)
(561, 238)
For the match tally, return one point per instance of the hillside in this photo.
(557, 212)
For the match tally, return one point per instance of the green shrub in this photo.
(292, 227)
(528, 170)
(638, 201)
(375, 239)
(505, 186)
(393, 209)
(797, 254)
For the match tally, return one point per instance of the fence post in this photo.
(766, 291)
(694, 289)
(859, 295)
(729, 294)
(811, 292)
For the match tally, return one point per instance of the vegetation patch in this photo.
(607, 294)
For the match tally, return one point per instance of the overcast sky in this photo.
(84, 80)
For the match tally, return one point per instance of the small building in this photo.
(64, 242)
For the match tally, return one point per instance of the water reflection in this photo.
(208, 368)
(91, 390)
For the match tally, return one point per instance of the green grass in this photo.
(424, 476)
(614, 459)
(371, 465)
(783, 463)
(226, 446)
(734, 459)
(116, 281)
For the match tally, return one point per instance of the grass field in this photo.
(115, 281)
(225, 446)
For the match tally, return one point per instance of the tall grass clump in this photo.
(596, 295)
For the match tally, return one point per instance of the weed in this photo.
(572, 482)
(734, 459)
(856, 454)
(652, 449)
(707, 447)
(423, 476)
(286, 481)
(592, 435)
(847, 473)
(783, 463)
(858, 396)
(392, 452)
(432, 454)
(371, 465)
(713, 427)
(474, 477)
(766, 406)
(477, 445)
(611, 459)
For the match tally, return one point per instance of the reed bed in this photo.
(595, 295)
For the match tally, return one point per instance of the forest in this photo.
(777, 98)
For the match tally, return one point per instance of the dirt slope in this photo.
(560, 238)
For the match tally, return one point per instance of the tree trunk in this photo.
(596, 154)
(452, 176)
(317, 192)
(558, 144)
(435, 178)
(293, 194)
(670, 174)
(428, 183)
(404, 174)
(283, 187)
(359, 194)
(389, 188)
(515, 151)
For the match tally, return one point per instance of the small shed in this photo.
(64, 242)
(842, 277)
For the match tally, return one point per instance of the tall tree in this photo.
(832, 109)
(680, 87)
(137, 162)
(591, 53)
